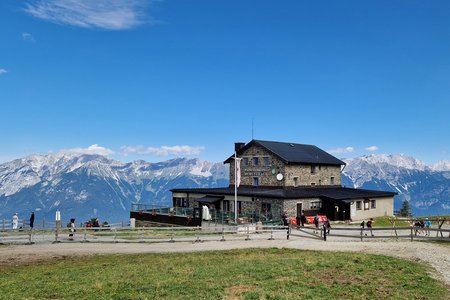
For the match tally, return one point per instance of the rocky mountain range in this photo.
(88, 185)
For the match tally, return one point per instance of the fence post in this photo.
(4, 223)
(198, 235)
(411, 234)
(84, 235)
(141, 235)
(56, 236)
(223, 234)
(271, 234)
(362, 234)
(248, 234)
(115, 235)
(30, 237)
(171, 236)
(324, 233)
(288, 232)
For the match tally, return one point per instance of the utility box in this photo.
(132, 222)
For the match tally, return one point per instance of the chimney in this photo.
(238, 146)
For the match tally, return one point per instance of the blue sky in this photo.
(157, 79)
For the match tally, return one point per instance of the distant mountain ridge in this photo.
(427, 188)
(89, 185)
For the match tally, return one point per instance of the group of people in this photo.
(422, 226)
(15, 221)
(369, 225)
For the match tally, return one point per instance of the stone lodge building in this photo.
(285, 177)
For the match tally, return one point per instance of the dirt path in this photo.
(438, 256)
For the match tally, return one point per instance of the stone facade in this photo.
(323, 175)
(266, 170)
(270, 165)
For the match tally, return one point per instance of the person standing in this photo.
(32, 219)
(71, 228)
(298, 220)
(303, 219)
(15, 221)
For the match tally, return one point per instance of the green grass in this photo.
(384, 222)
(234, 274)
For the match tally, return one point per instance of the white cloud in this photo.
(93, 149)
(105, 14)
(28, 37)
(163, 150)
(372, 148)
(3, 71)
(341, 150)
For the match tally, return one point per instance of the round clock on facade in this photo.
(279, 176)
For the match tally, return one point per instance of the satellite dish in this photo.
(279, 176)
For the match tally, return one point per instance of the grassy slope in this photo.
(238, 274)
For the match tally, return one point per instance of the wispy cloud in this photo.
(3, 71)
(28, 37)
(372, 148)
(163, 150)
(105, 14)
(93, 149)
(341, 150)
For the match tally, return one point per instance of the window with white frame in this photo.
(315, 205)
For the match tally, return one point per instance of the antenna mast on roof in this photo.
(252, 128)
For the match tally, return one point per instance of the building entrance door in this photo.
(299, 208)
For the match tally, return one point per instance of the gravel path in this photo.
(438, 256)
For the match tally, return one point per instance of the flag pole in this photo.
(235, 186)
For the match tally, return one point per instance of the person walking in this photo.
(32, 219)
(327, 226)
(71, 228)
(15, 221)
(369, 225)
(427, 226)
(316, 223)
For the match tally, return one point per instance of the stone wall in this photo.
(322, 176)
(266, 173)
(290, 206)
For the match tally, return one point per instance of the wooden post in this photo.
(248, 234)
(30, 236)
(171, 236)
(412, 234)
(394, 229)
(362, 233)
(223, 234)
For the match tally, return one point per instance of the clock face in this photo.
(279, 176)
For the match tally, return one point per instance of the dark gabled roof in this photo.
(331, 192)
(294, 153)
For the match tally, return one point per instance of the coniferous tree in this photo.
(405, 211)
